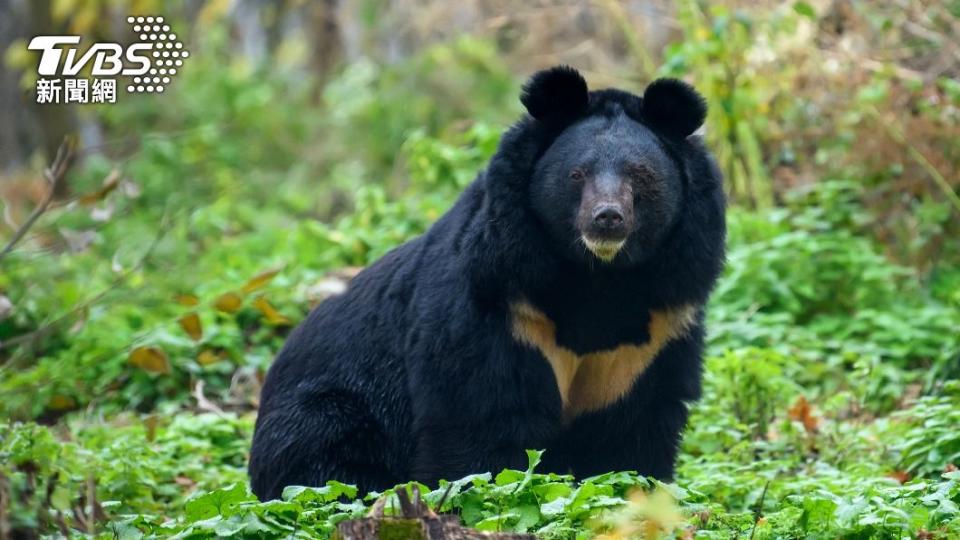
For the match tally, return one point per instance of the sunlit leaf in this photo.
(150, 359)
(187, 299)
(191, 325)
(228, 302)
(805, 9)
(259, 280)
(207, 357)
(269, 312)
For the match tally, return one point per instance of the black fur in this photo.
(674, 107)
(413, 373)
(555, 95)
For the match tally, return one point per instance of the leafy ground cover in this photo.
(829, 407)
(155, 297)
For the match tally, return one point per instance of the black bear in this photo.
(558, 305)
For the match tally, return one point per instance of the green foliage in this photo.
(130, 466)
(791, 103)
(716, 51)
(235, 140)
(752, 385)
(807, 259)
(373, 108)
(803, 280)
(438, 164)
(194, 465)
(438, 170)
(932, 441)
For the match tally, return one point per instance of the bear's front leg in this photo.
(649, 445)
(642, 432)
(476, 412)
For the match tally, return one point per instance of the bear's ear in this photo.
(673, 107)
(555, 95)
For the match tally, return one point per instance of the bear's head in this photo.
(611, 183)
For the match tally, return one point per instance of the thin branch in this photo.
(92, 502)
(758, 513)
(4, 508)
(46, 328)
(443, 499)
(54, 175)
(203, 403)
(897, 135)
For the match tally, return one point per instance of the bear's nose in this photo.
(608, 218)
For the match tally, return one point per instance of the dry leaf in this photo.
(150, 359)
(228, 302)
(269, 312)
(191, 325)
(259, 280)
(900, 476)
(151, 423)
(207, 357)
(60, 402)
(110, 183)
(184, 481)
(187, 299)
(333, 283)
(102, 213)
(801, 411)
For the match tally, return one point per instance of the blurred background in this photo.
(144, 293)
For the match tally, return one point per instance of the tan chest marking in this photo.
(590, 382)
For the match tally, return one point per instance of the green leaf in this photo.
(805, 9)
(529, 517)
(220, 502)
(508, 476)
(330, 492)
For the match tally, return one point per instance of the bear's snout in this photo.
(608, 219)
(604, 227)
(606, 209)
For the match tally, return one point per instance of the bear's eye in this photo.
(576, 174)
(640, 174)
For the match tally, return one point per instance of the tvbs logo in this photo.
(148, 64)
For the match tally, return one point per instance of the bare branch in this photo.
(54, 174)
(897, 135)
(203, 403)
(39, 333)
